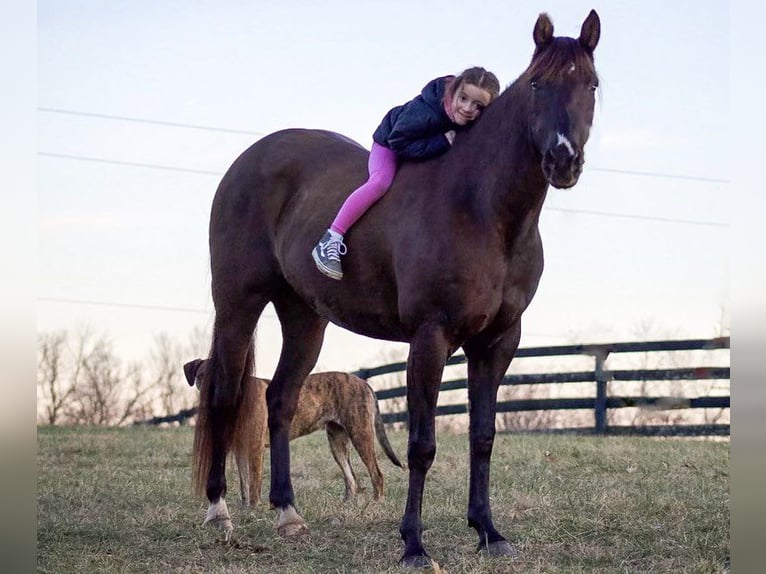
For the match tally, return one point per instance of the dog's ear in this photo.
(190, 371)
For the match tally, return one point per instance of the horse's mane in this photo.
(553, 62)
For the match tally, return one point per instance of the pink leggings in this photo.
(382, 167)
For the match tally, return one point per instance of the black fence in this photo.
(601, 401)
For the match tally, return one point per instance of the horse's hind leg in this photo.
(302, 336)
(226, 402)
(486, 367)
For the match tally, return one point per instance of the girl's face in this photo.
(468, 103)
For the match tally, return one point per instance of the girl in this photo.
(422, 128)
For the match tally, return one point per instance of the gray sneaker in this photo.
(327, 256)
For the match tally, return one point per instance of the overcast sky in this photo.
(143, 105)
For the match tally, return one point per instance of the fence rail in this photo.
(601, 402)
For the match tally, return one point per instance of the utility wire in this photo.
(124, 305)
(70, 301)
(129, 163)
(661, 175)
(219, 174)
(154, 122)
(178, 309)
(261, 134)
(644, 217)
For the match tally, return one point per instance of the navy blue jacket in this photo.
(415, 130)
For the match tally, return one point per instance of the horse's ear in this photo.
(591, 32)
(543, 30)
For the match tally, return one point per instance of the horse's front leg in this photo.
(487, 365)
(429, 351)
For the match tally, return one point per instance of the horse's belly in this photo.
(371, 325)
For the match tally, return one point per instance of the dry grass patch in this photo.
(119, 501)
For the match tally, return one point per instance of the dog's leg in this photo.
(338, 439)
(244, 477)
(257, 450)
(363, 440)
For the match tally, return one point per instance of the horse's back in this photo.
(287, 184)
(284, 166)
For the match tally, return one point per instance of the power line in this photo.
(178, 309)
(123, 305)
(261, 134)
(658, 174)
(71, 301)
(145, 121)
(129, 163)
(644, 217)
(580, 211)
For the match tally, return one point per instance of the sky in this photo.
(142, 106)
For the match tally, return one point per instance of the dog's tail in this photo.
(380, 432)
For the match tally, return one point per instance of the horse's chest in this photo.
(465, 298)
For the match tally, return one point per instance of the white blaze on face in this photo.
(566, 143)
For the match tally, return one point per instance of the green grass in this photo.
(118, 500)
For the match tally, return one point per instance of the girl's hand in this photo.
(450, 135)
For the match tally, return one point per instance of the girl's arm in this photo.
(417, 133)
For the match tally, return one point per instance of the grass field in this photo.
(117, 500)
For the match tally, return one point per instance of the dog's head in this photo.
(195, 372)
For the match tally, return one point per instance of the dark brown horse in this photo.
(450, 258)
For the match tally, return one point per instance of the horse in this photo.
(450, 257)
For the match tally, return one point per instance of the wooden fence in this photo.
(599, 403)
(601, 400)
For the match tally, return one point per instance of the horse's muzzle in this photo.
(562, 166)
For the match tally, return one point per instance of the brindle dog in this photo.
(341, 403)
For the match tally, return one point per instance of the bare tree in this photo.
(54, 391)
(137, 404)
(532, 420)
(166, 376)
(101, 396)
(81, 380)
(198, 343)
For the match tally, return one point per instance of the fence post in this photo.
(601, 380)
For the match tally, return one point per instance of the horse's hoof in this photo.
(218, 516)
(423, 563)
(293, 529)
(499, 548)
(290, 524)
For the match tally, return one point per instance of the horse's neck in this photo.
(496, 168)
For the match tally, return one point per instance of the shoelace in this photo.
(334, 248)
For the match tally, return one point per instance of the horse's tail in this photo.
(380, 432)
(228, 409)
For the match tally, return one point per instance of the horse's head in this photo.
(561, 81)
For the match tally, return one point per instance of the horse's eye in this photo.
(593, 87)
(533, 85)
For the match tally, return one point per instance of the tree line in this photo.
(82, 381)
